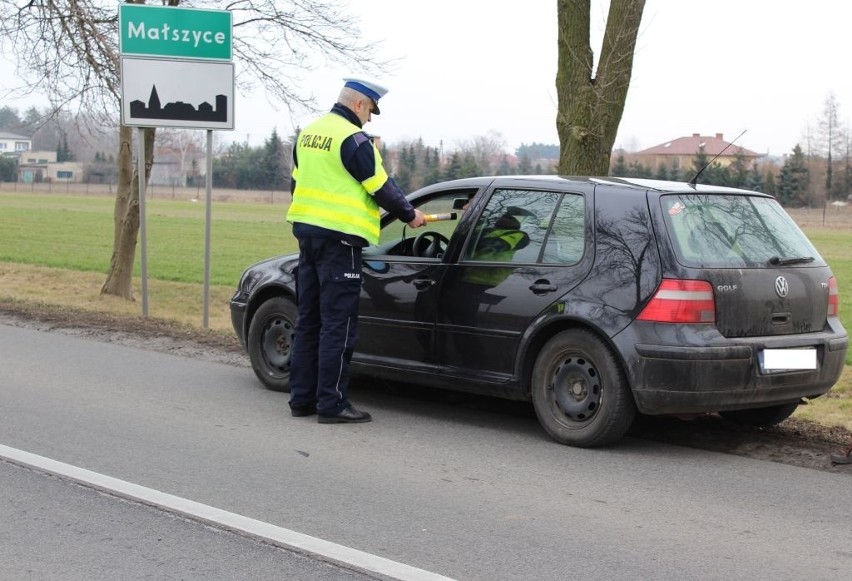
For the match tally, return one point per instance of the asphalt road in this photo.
(52, 528)
(469, 494)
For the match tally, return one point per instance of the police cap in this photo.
(367, 88)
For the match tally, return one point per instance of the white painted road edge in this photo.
(301, 543)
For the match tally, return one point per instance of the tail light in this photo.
(833, 297)
(681, 301)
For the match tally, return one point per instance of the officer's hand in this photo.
(419, 219)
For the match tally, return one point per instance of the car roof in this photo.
(629, 183)
(670, 186)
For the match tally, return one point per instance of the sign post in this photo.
(176, 71)
(143, 225)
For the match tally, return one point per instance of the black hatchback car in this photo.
(596, 298)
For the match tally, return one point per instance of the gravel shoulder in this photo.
(795, 442)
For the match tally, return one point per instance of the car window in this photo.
(397, 239)
(733, 231)
(443, 204)
(567, 238)
(515, 226)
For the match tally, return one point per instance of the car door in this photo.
(399, 291)
(526, 251)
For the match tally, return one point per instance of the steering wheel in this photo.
(428, 245)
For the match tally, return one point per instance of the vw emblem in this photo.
(781, 286)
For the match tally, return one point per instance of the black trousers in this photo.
(328, 286)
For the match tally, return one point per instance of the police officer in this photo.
(338, 185)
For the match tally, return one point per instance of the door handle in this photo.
(541, 287)
(423, 283)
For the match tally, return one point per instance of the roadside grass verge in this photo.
(835, 407)
(55, 250)
(176, 302)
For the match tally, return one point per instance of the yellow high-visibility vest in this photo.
(507, 243)
(326, 194)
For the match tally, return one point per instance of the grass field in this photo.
(76, 233)
(55, 248)
(835, 246)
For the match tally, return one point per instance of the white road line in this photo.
(326, 550)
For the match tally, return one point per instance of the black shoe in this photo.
(348, 416)
(303, 412)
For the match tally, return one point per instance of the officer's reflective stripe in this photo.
(321, 199)
(342, 360)
(373, 184)
(316, 206)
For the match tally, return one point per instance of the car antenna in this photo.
(694, 179)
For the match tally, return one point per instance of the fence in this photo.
(152, 192)
(828, 216)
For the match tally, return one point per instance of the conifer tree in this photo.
(453, 169)
(793, 180)
(275, 164)
(619, 169)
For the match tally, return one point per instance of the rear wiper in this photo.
(778, 261)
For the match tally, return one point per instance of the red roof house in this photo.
(679, 153)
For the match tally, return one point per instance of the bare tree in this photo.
(68, 50)
(486, 150)
(830, 140)
(182, 147)
(591, 103)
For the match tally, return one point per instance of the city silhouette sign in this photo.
(177, 93)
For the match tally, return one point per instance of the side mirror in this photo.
(460, 203)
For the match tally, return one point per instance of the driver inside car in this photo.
(499, 244)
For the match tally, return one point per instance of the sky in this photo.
(467, 68)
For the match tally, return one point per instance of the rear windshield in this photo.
(734, 231)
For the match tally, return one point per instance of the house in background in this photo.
(41, 166)
(37, 157)
(12, 144)
(679, 153)
(173, 165)
(32, 166)
(65, 172)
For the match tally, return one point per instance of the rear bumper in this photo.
(670, 379)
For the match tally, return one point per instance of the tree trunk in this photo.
(119, 280)
(590, 107)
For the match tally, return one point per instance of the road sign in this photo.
(196, 92)
(172, 93)
(169, 31)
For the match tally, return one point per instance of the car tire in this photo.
(270, 342)
(761, 417)
(579, 391)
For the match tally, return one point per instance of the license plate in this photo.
(774, 360)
